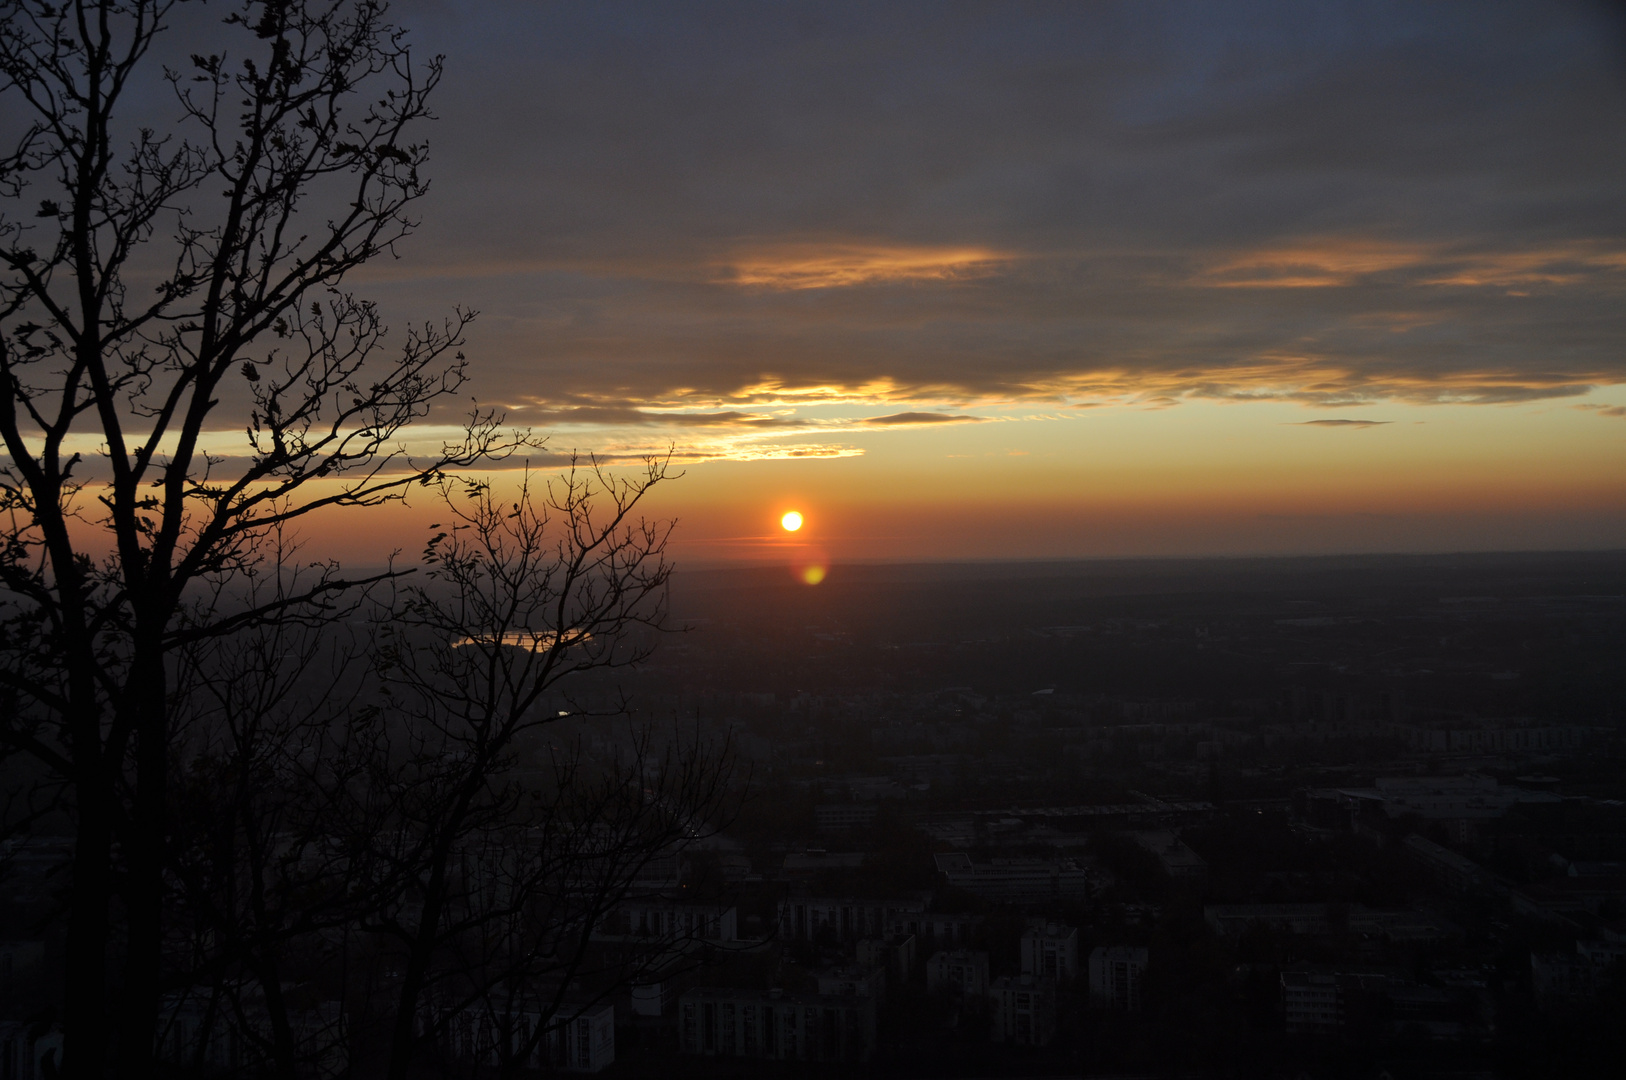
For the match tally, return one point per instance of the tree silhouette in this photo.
(404, 807)
(183, 377)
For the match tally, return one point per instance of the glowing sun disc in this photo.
(791, 521)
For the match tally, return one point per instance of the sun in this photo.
(791, 521)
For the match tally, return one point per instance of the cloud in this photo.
(1349, 261)
(906, 419)
(1061, 331)
(832, 266)
(1605, 410)
(774, 453)
(626, 430)
(632, 415)
(621, 454)
(1330, 263)
(1343, 423)
(911, 209)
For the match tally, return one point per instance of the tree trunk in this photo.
(284, 1054)
(403, 1041)
(144, 892)
(85, 1019)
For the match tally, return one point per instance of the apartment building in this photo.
(1312, 1002)
(580, 1039)
(961, 972)
(1018, 881)
(1116, 975)
(860, 979)
(723, 1022)
(670, 920)
(803, 918)
(1050, 950)
(1024, 1010)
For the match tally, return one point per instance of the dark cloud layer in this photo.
(714, 205)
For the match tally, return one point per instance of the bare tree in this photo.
(145, 279)
(437, 826)
(514, 877)
(515, 948)
(277, 765)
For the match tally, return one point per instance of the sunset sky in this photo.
(1046, 280)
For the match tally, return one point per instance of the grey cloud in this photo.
(629, 415)
(917, 418)
(597, 170)
(1344, 423)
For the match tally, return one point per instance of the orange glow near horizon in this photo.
(1196, 479)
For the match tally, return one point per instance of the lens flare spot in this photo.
(813, 575)
(791, 521)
